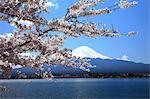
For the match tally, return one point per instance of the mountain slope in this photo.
(118, 66)
(102, 66)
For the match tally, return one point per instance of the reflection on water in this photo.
(77, 88)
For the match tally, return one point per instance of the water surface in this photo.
(76, 88)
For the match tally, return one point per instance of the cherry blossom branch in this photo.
(34, 36)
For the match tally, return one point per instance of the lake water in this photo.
(76, 88)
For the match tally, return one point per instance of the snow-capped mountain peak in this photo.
(85, 51)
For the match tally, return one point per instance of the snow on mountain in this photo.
(124, 58)
(85, 51)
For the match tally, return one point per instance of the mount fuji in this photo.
(102, 63)
(86, 52)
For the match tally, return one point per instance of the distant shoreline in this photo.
(71, 78)
(86, 75)
(79, 77)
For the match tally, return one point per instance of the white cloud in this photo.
(23, 22)
(125, 58)
(50, 4)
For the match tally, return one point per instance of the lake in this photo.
(76, 88)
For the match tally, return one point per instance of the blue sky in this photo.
(135, 18)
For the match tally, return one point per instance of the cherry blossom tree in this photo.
(38, 35)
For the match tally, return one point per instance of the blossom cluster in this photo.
(127, 4)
